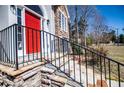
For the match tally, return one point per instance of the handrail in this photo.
(60, 51)
(86, 47)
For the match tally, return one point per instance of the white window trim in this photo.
(62, 12)
(65, 22)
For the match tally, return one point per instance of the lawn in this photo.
(116, 52)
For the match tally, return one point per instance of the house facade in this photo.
(61, 17)
(51, 19)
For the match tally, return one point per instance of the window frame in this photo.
(19, 18)
(62, 21)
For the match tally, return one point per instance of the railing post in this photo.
(101, 70)
(109, 74)
(50, 47)
(62, 40)
(55, 49)
(41, 47)
(59, 51)
(119, 75)
(16, 43)
(80, 65)
(93, 69)
(0, 44)
(68, 58)
(86, 68)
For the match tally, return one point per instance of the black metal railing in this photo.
(7, 46)
(21, 45)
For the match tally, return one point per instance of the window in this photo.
(62, 21)
(19, 21)
(13, 9)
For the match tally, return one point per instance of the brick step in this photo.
(98, 84)
(104, 83)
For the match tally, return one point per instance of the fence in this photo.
(21, 45)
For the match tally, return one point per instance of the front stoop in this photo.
(11, 77)
(35, 75)
(10, 71)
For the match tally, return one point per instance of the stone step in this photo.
(53, 85)
(44, 85)
(30, 74)
(58, 74)
(51, 66)
(66, 85)
(73, 83)
(47, 70)
(45, 81)
(57, 84)
(57, 79)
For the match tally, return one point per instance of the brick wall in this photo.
(58, 31)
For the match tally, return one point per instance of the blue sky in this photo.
(114, 15)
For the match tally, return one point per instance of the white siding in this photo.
(3, 16)
(7, 18)
(12, 17)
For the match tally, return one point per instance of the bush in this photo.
(121, 38)
(102, 50)
(76, 49)
(96, 59)
(89, 41)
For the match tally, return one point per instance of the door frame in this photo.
(23, 11)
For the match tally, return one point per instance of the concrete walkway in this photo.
(78, 72)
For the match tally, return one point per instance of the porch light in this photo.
(13, 9)
(48, 21)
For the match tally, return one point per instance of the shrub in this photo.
(102, 50)
(89, 41)
(96, 58)
(76, 49)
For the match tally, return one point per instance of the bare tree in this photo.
(99, 28)
(74, 22)
(80, 16)
(81, 25)
(87, 12)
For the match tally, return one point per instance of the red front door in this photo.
(32, 35)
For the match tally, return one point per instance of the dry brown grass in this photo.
(116, 53)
